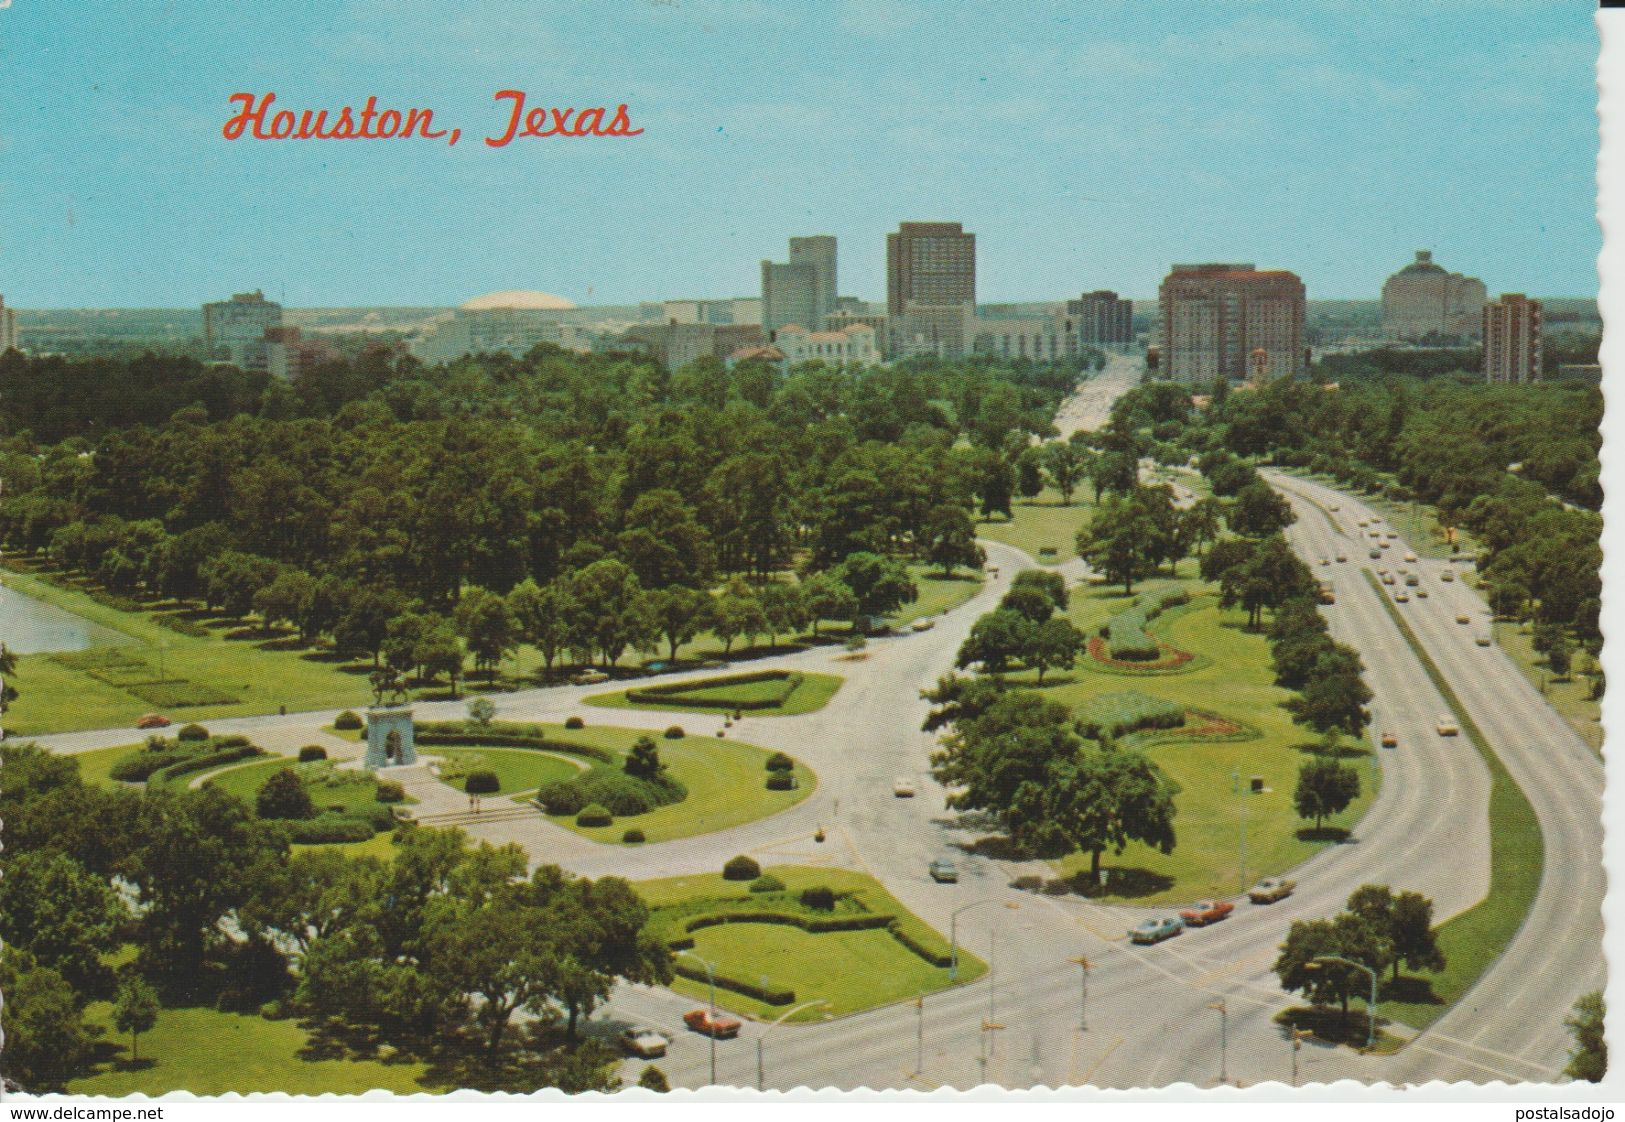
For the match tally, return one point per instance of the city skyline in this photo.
(1086, 149)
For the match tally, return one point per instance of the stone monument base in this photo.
(390, 742)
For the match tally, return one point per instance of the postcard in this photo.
(676, 544)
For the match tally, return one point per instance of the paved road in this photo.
(1149, 1011)
(1091, 407)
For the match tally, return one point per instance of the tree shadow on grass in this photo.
(329, 657)
(1341, 752)
(143, 1064)
(1410, 990)
(1329, 1023)
(1337, 834)
(1126, 882)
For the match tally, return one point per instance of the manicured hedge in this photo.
(781, 781)
(138, 766)
(741, 868)
(330, 829)
(867, 921)
(482, 783)
(623, 795)
(675, 732)
(940, 961)
(312, 752)
(1126, 711)
(675, 693)
(633, 837)
(389, 791)
(348, 721)
(594, 815)
(504, 734)
(737, 985)
(204, 762)
(778, 761)
(767, 882)
(192, 732)
(1130, 642)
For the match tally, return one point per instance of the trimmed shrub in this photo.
(1028, 883)
(682, 693)
(1130, 641)
(767, 882)
(778, 761)
(675, 732)
(574, 723)
(284, 796)
(312, 752)
(192, 732)
(633, 837)
(330, 829)
(741, 868)
(138, 766)
(623, 795)
(781, 781)
(482, 783)
(1126, 711)
(737, 985)
(389, 791)
(594, 815)
(936, 958)
(820, 898)
(430, 735)
(204, 762)
(348, 721)
(234, 741)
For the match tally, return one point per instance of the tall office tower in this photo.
(8, 327)
(1512, 343)
(1214, 317)
(1102, 318)
(1422, 301)
(930, 265)
(237, 326)
(801, 290)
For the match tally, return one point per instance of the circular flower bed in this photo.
(1172, 659)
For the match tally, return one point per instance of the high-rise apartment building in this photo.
(802, 290)
(1101, 319)
(930, 264)
(1512, 342)
(1216, 317)
(8, 327)
(1424, 302)
(237, 328)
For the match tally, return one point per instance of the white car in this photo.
(1410, 557)
(902, 787)
(645, 1042)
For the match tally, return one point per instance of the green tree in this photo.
(1334, 697)
(66, 917)
(541, 617)
(484, 621)
(679, 614)
(1302, 968)
(481, 710)
(784, 610)
(995, 640)
(664, 542)
(1028, 601)
(609, 610)
(1054, 645)
(951, 541)
(135, 1010)
(737, 612)
(1065, 464)
(1258, 511)
(826, 597)
(643, 760)
(1325, 787)
(46, 1040)
(1199, 525)
(880, 585)
(283, 795)
(1589, 1059)
(1108, 798)
(1117, 543)
(653, 1079)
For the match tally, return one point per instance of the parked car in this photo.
(1364, 522)
(1325, 561)
(923, 624)
(943, 871)
(152, 721)
(1334, 508)
(644, 1041)
(590, 678)
(1204, 912)
(902, 787)
(711, 1022)
(1156, 930)
(1392, 536)
(1447, 726)
(1271, 889)
(1389, 740)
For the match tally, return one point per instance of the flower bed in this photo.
(1173, 659)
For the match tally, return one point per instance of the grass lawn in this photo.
(938, 594)
(813, 693)
(328, 786)
(517, 769)
(852, 970)
(381, 846)
(727, 787)
(55, 698)
(211, 1053)
(95, 767)
(1571, 697)
(1234, 681)
(1476, 937)
(1042, 522)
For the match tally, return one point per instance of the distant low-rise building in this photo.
(288, 353)
(234, 330)
(737, 310)
(1424, 302)
(508, 323)
(675, 345)
(853, 344)
(1512, 339)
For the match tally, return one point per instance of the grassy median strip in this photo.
(1475, 938)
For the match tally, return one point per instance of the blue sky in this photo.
(1087, 145)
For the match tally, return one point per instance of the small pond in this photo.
(30, 626)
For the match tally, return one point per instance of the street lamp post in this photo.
(919, 1034)
(1371, 1004)
(1083, 992)
(711, 975)
(1297, 1043)
(953, 932)
(1224, 1038)
(760, 1073)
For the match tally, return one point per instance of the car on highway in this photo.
(1204, 912)
(1156, 929)
(1392, 536)
(1421, 594)
(902, 787)
(992, 570)
(922, 625)
(711, 1022)
(1376, 533)
(1364, 522)
(1401, 597)
(1411, 557)
(1376, 555)
(1387, 577)
(1334, 508)
(943, 871)
(1483, 639)
(1446, 725)
(1325, 561)
(1271, 889)
(152, 721)
(1463, 617)
(1389, 740)
(1447, 576)
(644, 1041)
(1342, 557)
(1412, 580)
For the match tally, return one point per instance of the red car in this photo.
(1204, 912)
(711, 1023)
(153, 721)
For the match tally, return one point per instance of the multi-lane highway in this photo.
(1142, 1016)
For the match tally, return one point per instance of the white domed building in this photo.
(1424, 301)
(510, 322)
